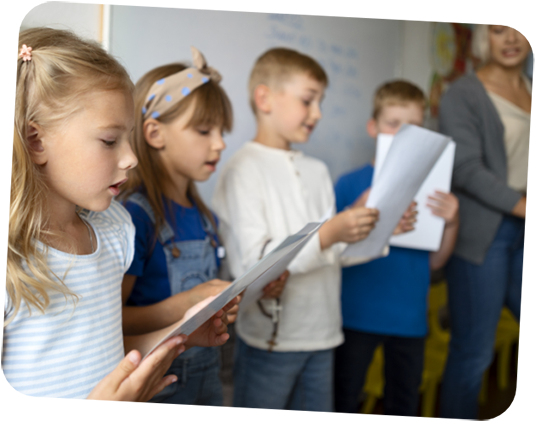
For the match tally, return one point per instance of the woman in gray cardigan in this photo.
(488, 115)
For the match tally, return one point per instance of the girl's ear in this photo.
(262, 98)
(372, 128)
(36, 146)
(152, 130)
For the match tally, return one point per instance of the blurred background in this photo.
(361, 45)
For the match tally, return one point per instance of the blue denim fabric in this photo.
(404, 360)
(477, 294)
(283, 380)
(198, 368)
(198, 380)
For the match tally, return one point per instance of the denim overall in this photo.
(189, 263)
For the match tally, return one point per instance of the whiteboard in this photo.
(357, 54)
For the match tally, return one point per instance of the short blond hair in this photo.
(277, 65)
(398, 92)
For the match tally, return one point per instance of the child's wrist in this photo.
(325, 235)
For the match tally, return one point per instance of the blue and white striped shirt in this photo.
(67, 351)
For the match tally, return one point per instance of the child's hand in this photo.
(351, 225)
(206, 289)
(135, 381)
(444, 205)
(362, 200)
(407, 222)
(231, 309)
(212, 333)
(274, 289)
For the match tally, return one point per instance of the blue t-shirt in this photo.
(149, 263)
(388, 295)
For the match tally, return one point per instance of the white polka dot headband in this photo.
(168, 91)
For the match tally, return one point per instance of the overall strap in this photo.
(166, 232)
(206, 223)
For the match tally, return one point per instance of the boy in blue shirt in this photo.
(385, 301)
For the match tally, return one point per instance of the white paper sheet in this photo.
(413, 153)
(258, 276)
(428, 228)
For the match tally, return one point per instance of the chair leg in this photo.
(369, 404)
(503, 365)
(483, 397)
(429, 399)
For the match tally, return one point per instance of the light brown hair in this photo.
(398, 92)
(277, 65)
(212, 107)
(63, 68)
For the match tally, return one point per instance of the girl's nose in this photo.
(128, 158)
(316, 112)
(219, 143)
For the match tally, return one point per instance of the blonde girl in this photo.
(69, 242)
(181, 113)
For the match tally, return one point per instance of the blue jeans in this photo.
(404, 359)
(283, 380)
(198, 380)
(477, 294)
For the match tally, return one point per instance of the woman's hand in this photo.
(275, 288)
(135, 381)
(444, 205)
(407, 222)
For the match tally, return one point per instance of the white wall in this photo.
(386, 49)
(84, 19)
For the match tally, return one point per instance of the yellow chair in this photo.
(436, 349)
(436, 353)
(374, 381)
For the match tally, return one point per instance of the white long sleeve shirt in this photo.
(263, 195)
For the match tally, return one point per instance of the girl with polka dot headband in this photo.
(181, 114)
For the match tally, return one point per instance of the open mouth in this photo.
(115, 188)
(212, 163)
(309, 128)
(510, 52)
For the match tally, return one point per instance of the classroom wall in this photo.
(358, 54)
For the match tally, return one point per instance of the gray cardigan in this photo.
(467, 114)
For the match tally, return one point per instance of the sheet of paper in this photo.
(412, 155)
(264, 271)
(428, 228)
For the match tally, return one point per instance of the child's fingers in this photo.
(232, 304)
(150, 372)
(220, 340)
(439, 212)
(125, 368)
(366, 221)
(164, 382)
(284, 276)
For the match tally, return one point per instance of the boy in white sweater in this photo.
(267, 191)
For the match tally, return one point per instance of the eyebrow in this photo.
(112, 126)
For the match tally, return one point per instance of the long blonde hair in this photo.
(62, 69)
(212, 108)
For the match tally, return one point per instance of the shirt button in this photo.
(298, 173)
